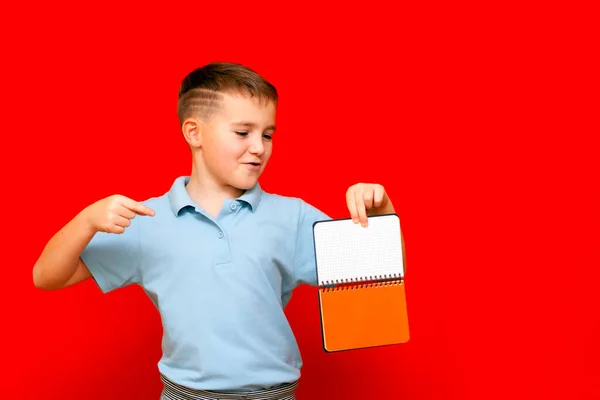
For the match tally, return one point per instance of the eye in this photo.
(242, 133)
(268, 136)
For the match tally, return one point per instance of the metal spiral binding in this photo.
(360, 279)
(359, 283)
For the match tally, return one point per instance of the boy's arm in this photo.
(60, 265)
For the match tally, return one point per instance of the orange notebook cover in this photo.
(360, 316)
(362, 297)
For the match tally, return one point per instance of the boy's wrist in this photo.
(84, 220)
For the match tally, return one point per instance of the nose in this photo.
(257, 146)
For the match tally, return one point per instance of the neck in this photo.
(209, 194)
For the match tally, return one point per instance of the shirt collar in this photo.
(179, 198)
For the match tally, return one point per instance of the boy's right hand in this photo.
(114, 213)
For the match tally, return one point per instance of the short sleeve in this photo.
(305, 268)
(114, 259)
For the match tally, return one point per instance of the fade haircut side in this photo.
(201, 91)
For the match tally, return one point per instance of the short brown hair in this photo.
(202, 89)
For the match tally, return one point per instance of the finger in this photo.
(379, 193)
(121, 221)
(117, 229)
(351, 203)
(360, 208)
(137, 208)
(125, 212)
(368, 198)
(111, 227)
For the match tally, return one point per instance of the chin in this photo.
(244, 184)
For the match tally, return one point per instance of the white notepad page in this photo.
(347, 252)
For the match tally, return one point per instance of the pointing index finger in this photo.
(138, 208)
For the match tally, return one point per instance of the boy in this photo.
(217, 255)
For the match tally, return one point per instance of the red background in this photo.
(478, 120)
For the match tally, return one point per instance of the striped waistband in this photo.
(174, 391)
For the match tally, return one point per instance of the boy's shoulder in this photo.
(285, 200)
(155, 200)
(276, 197)
(292, 205)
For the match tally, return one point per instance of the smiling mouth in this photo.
(254, 164)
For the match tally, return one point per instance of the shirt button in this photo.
(233, 206)
(220, 235)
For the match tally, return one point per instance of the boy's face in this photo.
(236, 144)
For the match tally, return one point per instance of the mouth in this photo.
(253, 165)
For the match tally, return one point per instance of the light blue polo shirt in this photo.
(220, 284)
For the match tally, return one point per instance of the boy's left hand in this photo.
(365, 199)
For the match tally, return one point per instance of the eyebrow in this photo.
(251, 125)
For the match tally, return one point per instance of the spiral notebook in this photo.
(360, 273)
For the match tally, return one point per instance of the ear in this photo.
(192, 130)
